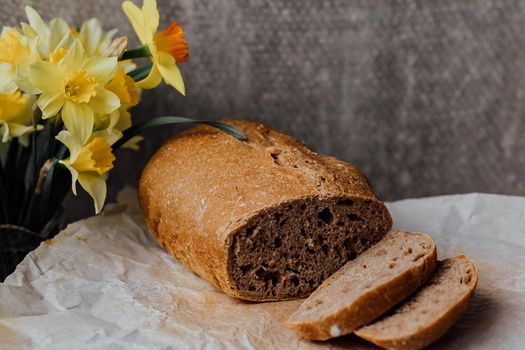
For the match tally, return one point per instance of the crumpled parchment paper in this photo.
(103, 283)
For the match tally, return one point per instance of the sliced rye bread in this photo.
(430, 312)
(367, 286)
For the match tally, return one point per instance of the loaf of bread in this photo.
(430, 312)
(262, 219)
(366, 287)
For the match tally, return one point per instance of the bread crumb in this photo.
(335, 331)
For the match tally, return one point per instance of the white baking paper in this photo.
(103, 283)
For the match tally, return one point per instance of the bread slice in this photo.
(430, 312)
(263, 219)
(366, 287)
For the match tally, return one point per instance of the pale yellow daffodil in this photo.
(14, 49)
(166, 47)
(88, 164)
(75, 87)
(16, 116)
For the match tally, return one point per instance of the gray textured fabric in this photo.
(426, 97)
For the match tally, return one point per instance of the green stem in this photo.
(141, 72)
(138, 52)
(34, 148)
(12, 178)
(167, 120)
(3, 204)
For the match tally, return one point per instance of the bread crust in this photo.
(370, 304)
(203, 186)
(432, 331)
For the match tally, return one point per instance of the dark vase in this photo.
(17, 242)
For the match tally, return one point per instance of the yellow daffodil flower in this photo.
(166, 47)
(14, 48)
(89, 165)
(16, 113)
(75, 87)
(125, 88)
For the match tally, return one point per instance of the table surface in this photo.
(104, 283)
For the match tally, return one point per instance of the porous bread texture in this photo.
(301, 244)
(262, 219)
(366, 287)
(430, 312)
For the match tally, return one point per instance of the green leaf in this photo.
(141, 72)
(138, 52)
(34, 154)
(159, 121)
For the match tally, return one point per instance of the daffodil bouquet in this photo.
(65, 101)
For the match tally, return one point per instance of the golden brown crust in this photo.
(430, 332)
(203, 185)
(371, 304)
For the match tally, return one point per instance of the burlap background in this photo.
(426, 97)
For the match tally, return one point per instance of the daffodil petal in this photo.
(170, 72)
(22, 78)
(101, 68)
(5, 131)
(127, 65)
(24, 140)
(66, 42)
(124, 120)
(79, 120)
(90, 35)
(104, 101)
(59, 25)
(151, 15)
(74, 175)
(75, 56)
(7, 76)
(7, 87)
(71, 143)
(58, 29)
(114, 118)
(152, 80)
(136, 19)
(106, 40)
(110, 135)
(27, 30)
(46, 77)
(35, 20)
(133, 143)
(50, 104)
(95, 185)
(17, 130)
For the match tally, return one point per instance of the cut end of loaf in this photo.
(286, 252)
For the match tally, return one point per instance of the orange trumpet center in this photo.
(171, 40)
